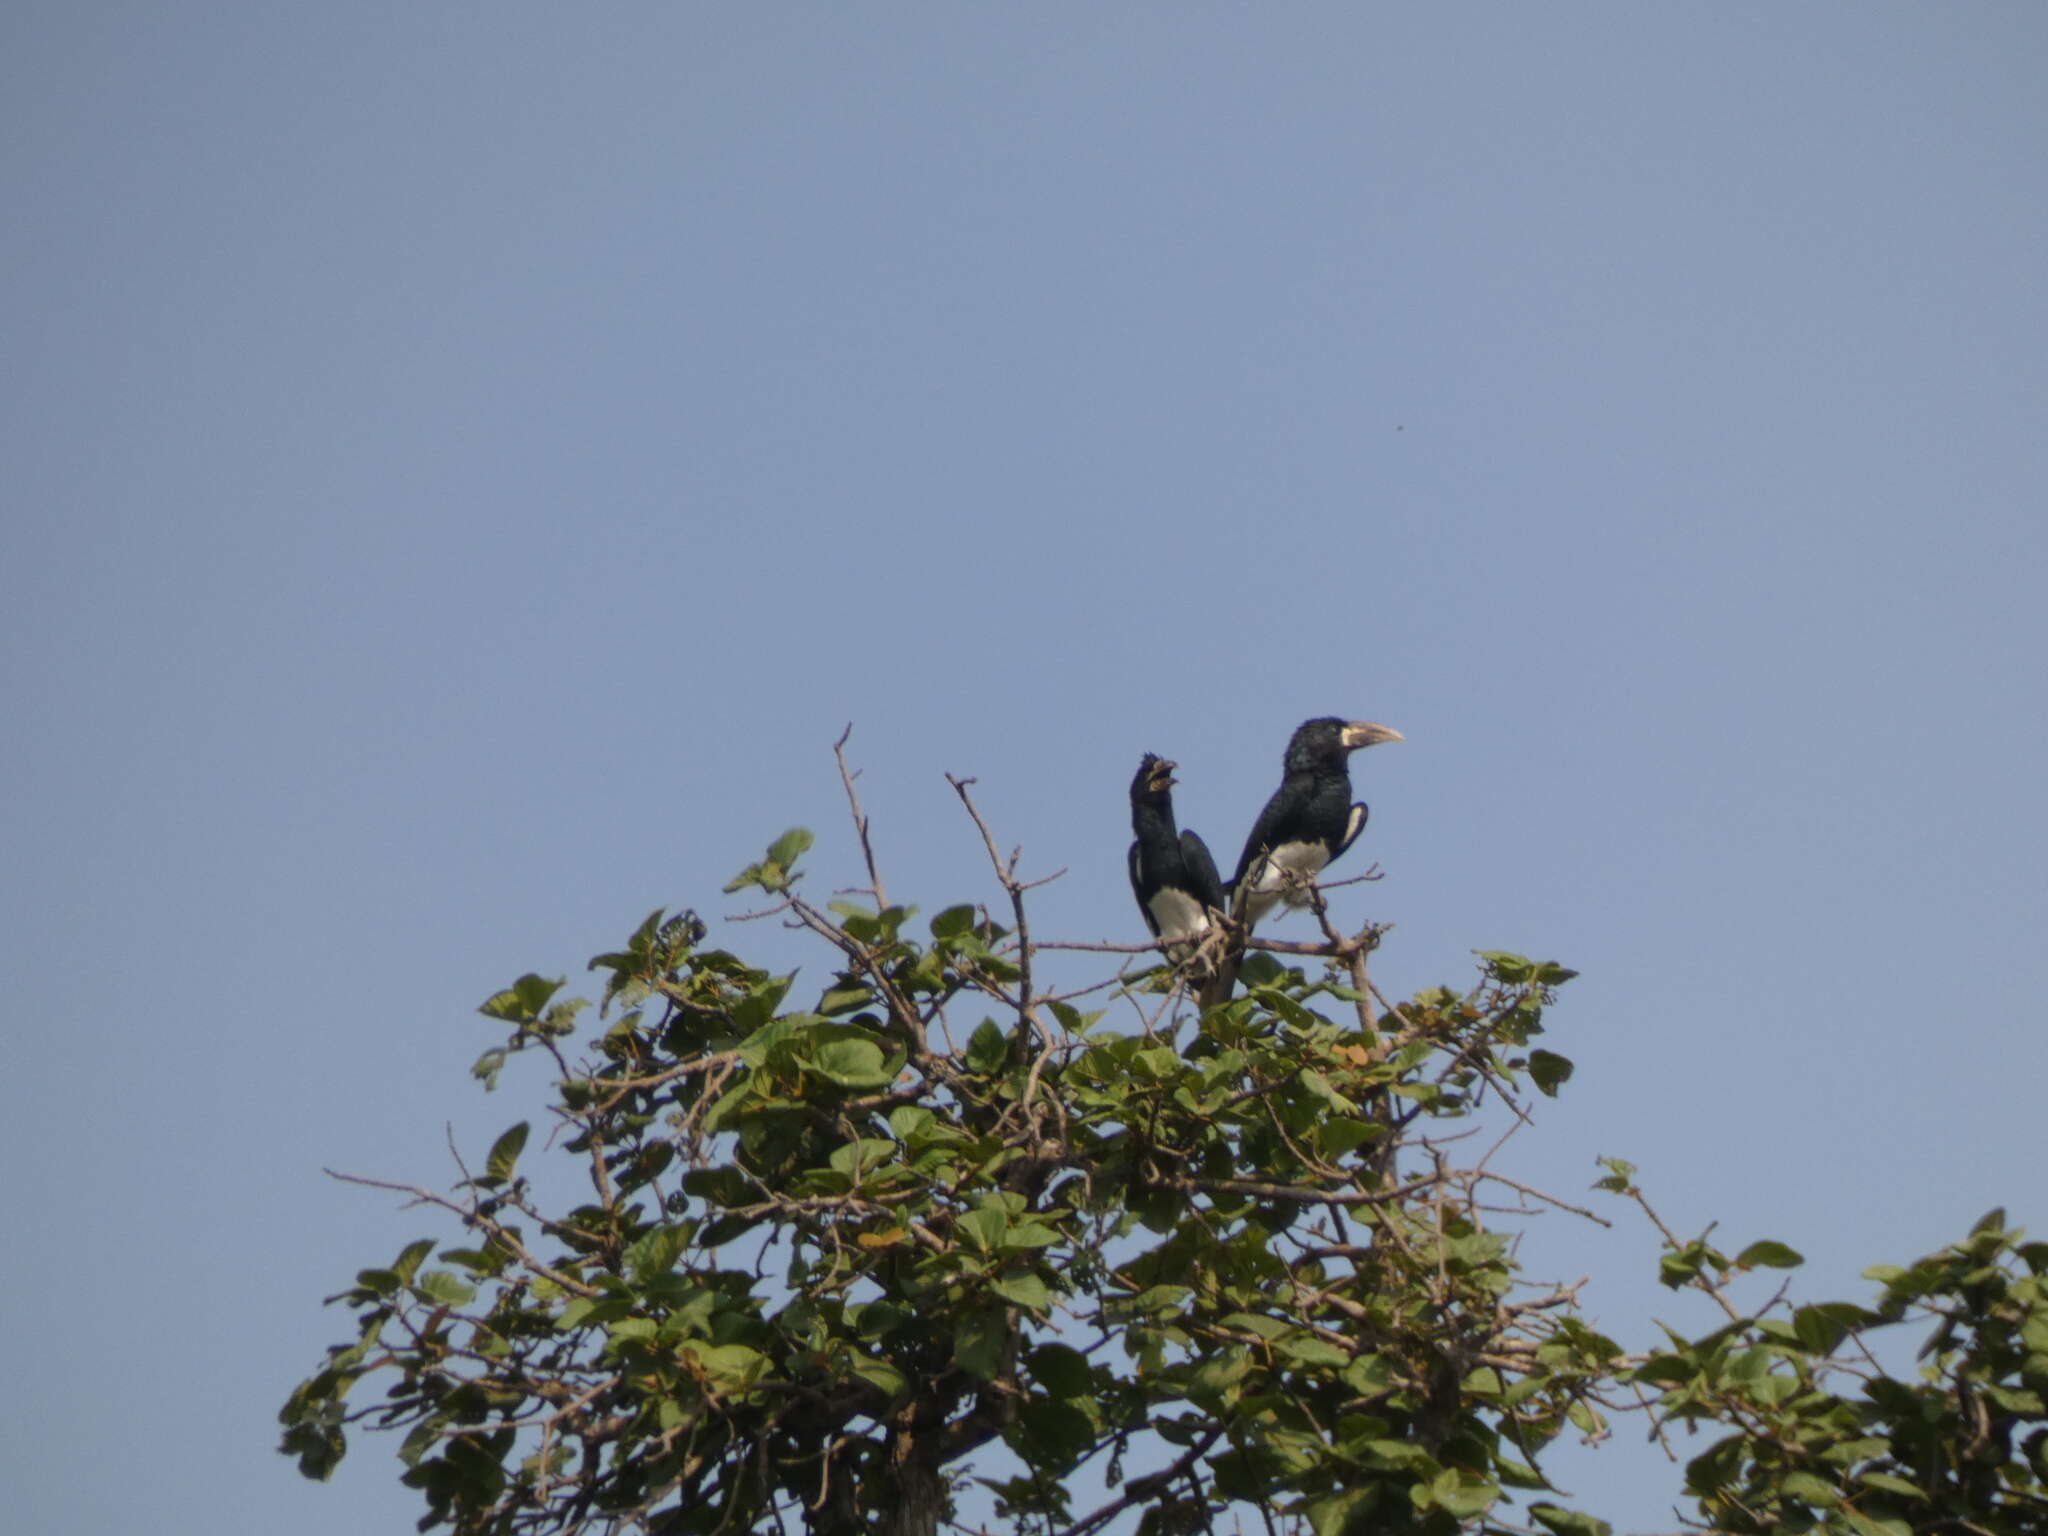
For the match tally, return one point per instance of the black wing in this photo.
(1204, 884)
(1138, 890)
(1266, 831)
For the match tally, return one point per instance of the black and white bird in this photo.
(1172, 874)
(1311, 818)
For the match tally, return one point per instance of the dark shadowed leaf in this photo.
(1549, 1070)
(1061, 1369)
(978, 1343)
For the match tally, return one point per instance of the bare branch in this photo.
(1141, 1488)
(472, 1216)
(1006, 872)
(860, 818)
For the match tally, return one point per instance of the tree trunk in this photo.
(920, 1493)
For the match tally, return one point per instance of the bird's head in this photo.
(1327, 741)
(1155, 778)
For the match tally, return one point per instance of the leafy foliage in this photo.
(1824, 1440)
(833, 1250)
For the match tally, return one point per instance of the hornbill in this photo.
(1172, 874)
(1309, 821)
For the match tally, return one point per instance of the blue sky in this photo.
(464, 466)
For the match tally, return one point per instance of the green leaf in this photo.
(978, 1342)
(1025, 1290)
(1568, 1522)
(410, 1257)
(1155, 1301)
(1213, 1383)
(864, 1156)
(1769, 1255)
(488, 1066)
(984, 1228)
(730, 1367)
(1992, 1220)
(1342, 1514)
(1398, 1456)
(879, 1373)
(953, 922)
(443, 1286)
(987, 1048)
(1345, 1133)
(1321, 1088)
(1368, 1375)
(1462, 1494)
(1306, 1349)
(504, 1153)
(1819, 1328)
(1676, 1269)
(853, 1063)
(1072, 1019)
(2014, 1400)
(1621, 1175)
(655, 1254)
(1025, 1235)
(1891, 1484)
(1808, 1489)
(790, 847)
(767, 876)
(1714, 1466)
(844, 998)
(634, 1330)
(319, 1448)
(1267, 1328)
(522, 1002)
(1508, 967)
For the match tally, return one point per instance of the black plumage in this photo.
(1172, 873)
(1311, 818)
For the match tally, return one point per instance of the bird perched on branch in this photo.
(1309, 821)
(1172, 873)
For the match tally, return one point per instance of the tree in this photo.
(945, 1226)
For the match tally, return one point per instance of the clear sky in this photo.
(463, 465)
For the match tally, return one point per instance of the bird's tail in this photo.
(1221, 981)
(1231, 927)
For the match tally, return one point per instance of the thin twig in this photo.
(1006, 872)
(860, 819)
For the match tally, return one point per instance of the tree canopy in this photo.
(951, 1239)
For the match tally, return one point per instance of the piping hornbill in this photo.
(1309, 821)
(1172, 874)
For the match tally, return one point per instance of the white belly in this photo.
(1268, 883)
(1181, 918)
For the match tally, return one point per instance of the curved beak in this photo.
(1364, 733)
